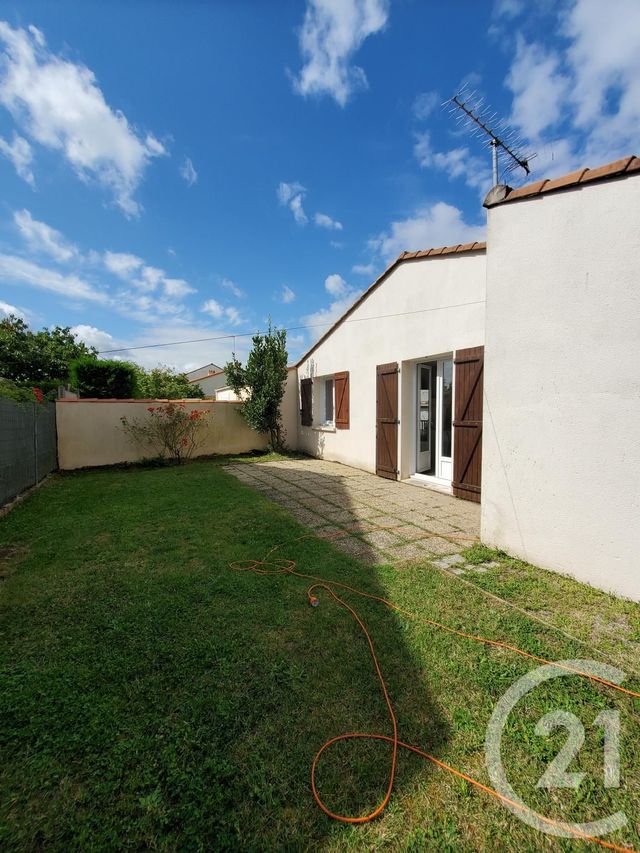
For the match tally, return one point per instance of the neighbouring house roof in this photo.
(207, 376)
(207, 368)
(501, 194)
(405, 256)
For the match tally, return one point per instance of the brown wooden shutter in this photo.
(341, 387)
(467, 424)
(387, 421)
(306, 402)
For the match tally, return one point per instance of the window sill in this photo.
(324, 428)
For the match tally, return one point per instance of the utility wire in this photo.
(290, 328)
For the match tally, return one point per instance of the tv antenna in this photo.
(473, 113)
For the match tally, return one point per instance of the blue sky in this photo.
(176, 171)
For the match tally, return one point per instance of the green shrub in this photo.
(103, 379)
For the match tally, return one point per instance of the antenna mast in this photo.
(475, 115)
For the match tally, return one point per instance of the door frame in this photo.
(434, 479)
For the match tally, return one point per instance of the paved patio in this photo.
(376, 519)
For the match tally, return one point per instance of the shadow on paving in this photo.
(154, 698)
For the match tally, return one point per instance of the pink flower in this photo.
(150, 409)
(185, 441)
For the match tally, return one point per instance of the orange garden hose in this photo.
(281, 565)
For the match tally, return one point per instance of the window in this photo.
(328, 401)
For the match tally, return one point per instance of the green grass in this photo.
(151, 697)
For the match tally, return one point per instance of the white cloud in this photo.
(578, 102)
(328, 316)
(230, 285)
(287, 296)
(20, 153)
(424, 104)
(176, 288)
(456, 163)
(41, 237)
(332, 32)
(324, 221)
(122, 264)
(429, 227)
(15, 270)
(93, 337)
(335, 285)
(59, 104)
(188, 172)
(292, 195)
(509, 8)
(364, 269)
(220, 312)
(6, 309)
(539, 89)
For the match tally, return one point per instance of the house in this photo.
(377, 390)
(201, 372)
(211, 383)
(545, 434)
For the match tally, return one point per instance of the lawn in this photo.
(152, 697)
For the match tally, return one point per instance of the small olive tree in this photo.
(261, 383)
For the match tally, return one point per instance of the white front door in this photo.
(434, 410)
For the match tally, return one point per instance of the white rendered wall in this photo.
(561, 446)
(451, 288)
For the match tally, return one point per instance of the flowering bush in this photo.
(37, 393)
(171, 430)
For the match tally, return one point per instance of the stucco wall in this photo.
(437, 306)
(561, 447)
(89, 431)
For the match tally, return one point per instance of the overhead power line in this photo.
(289, 329)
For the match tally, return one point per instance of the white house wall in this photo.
(561, 445)
(426, 307)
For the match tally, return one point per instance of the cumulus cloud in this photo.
(287, 295)
(221, 312)
(93, 337)
(42, 238)
(16, 270)
(188, 171)
(59, 104)
(6, 309)
(20, 153)
(292, 196)
(577, 99)
(324, 221)
(122, 264)
(331, 33)
(456, 163)
(430, 226)
(335, 285)
(343, 299)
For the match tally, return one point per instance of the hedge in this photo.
(103, 378)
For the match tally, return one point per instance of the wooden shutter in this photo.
(387, 421)
(341, 386)
(467, 424)
(306, 402)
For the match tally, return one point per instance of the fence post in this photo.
(35, 440)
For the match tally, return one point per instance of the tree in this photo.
(163, 383)
(104, 379)
(38, 358)
(262, 381)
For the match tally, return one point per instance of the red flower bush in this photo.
(37, 393)
(169, 430)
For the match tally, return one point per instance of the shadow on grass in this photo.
(153, 697)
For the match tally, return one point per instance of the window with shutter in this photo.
(341, 384)
(306, 399)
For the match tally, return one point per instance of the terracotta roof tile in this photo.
(624, 166)
(459, 249)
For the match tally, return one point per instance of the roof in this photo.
(501, 194)
(206, 376)
(405, 256)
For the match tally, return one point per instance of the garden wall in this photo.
(89, 432)
(27, 446)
